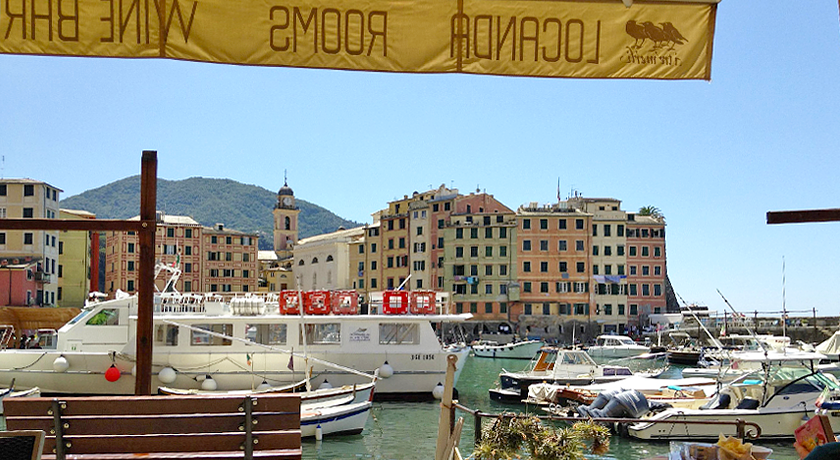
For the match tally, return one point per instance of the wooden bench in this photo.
(162, 427)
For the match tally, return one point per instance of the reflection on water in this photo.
(409, 430)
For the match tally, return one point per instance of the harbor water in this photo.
(397, 431)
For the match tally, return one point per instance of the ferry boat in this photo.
(203, 341)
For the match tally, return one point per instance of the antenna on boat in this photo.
(784, 308)
(763, 347)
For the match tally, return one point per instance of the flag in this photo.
(821, 397)
(248, 358)
(723, 329)
(291, 364)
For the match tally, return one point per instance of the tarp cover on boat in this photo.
(831, 346)
(538, 38)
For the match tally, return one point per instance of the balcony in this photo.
(41, 277)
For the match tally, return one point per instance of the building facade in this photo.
(76, 263)
(32, 199)
(211, 259)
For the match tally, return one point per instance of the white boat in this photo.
(322, 396)
(558, 366)
(203, 341)
(778, 398)
(13, 393)
(616, 346)
(512, 350)
(342, 419)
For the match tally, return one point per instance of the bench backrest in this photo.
(145, 424)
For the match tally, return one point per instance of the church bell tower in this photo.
(285, 222)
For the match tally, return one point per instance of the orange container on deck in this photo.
(395, 302)
(422, 303)
(345, 302)
(289, 303)
(316, 302)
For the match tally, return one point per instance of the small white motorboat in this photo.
(339, 419)
(512, 350)
(616, 346)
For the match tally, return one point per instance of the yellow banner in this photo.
(547, 38)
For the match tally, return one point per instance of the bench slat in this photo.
(162, 424)
(175, 442)
(279, 454)
(151, 405)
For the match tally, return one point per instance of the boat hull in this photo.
(345, 419)
(412, 378)
(774, 424)
(518, 350)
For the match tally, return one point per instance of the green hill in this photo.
(239, 206)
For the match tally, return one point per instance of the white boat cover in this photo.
(831, 346)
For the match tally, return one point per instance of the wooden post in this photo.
(146, 281)
(445, 406)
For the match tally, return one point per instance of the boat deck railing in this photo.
(754, 431)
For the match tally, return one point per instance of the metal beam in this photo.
(804, 216)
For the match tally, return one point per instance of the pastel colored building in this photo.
(32, 199)
(78, 269)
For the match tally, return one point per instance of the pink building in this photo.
(18, 281)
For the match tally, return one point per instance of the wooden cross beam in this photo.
(805, 216)
(145, 229)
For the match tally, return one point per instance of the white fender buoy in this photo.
(167, 375)
(264, 386)
(134, 370)
(437, 392)
(385, 370)
(209, 384)
(60, 364)
(319, 433)
(326, 384)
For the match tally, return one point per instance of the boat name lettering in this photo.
(360, 335)
(420, 357)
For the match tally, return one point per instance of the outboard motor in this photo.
(603, 398)
(626, 404)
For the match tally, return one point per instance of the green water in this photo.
(409, 430)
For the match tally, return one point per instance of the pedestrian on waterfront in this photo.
(32, 343)
(23, 340)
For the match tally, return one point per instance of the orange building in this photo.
(211, 259)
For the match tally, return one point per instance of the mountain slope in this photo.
(209, 201)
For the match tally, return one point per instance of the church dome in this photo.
(286, 190)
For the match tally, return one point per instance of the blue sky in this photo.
(713, 156)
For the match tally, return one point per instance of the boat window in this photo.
(105, 317)
(166, 334)
(320, 334)
(79, 317)
(199, 338)
(266, 334)
(574, 358)
(398, 334)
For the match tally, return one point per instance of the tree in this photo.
(651, 211)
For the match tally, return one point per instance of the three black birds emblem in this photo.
(660, 36)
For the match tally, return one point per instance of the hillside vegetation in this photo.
(209, 201)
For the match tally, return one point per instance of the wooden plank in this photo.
(803, 216)
(267, 440)
(277, 454)
(93, 225)
(158, 424)
(150, 405)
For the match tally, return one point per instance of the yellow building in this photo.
(74, 268)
